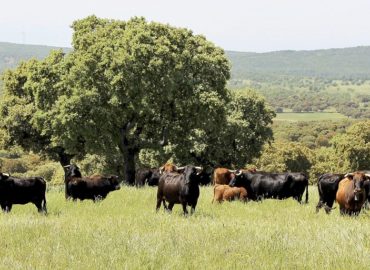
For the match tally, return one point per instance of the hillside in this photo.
(348, 63)
(11, 54)
(334, 79)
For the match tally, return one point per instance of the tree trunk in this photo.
(129, 166)
(128, 152)
(64, 160)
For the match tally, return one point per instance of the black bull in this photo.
(327, 185)
(179, 188)
(93, 187)
(21, 191)
(272, 185)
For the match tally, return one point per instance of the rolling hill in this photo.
(347, 63)
(299, 81)
(11, 54)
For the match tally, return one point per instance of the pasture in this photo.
(309, 116)
(125, 232)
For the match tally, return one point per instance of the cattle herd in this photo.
(180, 185)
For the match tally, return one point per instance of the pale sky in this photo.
(255, 26)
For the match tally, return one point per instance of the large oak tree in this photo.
(129, 86)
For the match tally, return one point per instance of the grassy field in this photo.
(125, 232)
(316, 116)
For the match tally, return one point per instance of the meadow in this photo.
(309, 116)
(125, 232)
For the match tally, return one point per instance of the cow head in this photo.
(114, 181)
(192, 174)
(168, 167)
(237, 178)
(72, 171)
(358, 179)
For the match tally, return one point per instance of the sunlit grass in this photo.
(125, 232)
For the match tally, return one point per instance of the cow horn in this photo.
(180, 168)
(6, 174)
(67, 166)
(161, 170)
(367, 175)
(239, 173)
(199, 168)
(348, 174)
(232, 171)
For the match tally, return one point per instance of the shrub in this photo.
(13, 166)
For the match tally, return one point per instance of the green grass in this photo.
(315, 116)
(125, 232)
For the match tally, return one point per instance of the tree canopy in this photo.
(131, 86)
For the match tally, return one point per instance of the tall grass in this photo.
(125, 232)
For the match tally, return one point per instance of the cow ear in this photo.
(367, 175)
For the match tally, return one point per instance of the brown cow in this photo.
(169, 167)
(223, 176)
(226, 193)
(351, 193)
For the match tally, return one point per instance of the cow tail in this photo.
(307, 192)
(214, 192)
(44, 204)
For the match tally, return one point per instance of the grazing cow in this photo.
(179, 188)
(94, 187)
(327, 185)
(147, 176)
(21, 191)
(270, 185)
(351, 193)
(223, 176)
(226, 193)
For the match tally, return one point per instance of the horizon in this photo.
(242, 26)
(233, 51)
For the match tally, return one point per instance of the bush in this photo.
(46, 171)
(58, 176)
(13, 166)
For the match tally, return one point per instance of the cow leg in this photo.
(159, 201)
(329, 205)
(299, 199)
(8, 208)
(164, 204)
(98, 198)
(3, 207)
(184, 209)
(38, 204)
(319, 205)
(170, 206)
(192, 210)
